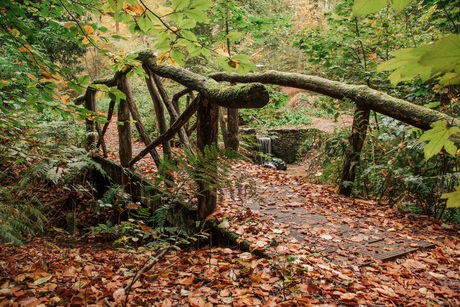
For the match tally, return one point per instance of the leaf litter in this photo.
(319, 247)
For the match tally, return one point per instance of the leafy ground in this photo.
(308, 247)
(61, 270)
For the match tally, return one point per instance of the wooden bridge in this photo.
(211, 95)
(204, 97)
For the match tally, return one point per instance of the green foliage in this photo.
(438, 139)
(20, 215)
(363, 7)
(441, 59)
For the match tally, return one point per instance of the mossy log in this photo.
(405, 111)
(246, 96)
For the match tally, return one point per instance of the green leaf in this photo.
(178, 56)
(438, 138)
(406, 65)
(443, 56)
(186, 23)
(179, 4)
(145, 24)
(197, 15)
(453, 198)
(364, 7)
(399, 5)
(189, 35)
(201, 5)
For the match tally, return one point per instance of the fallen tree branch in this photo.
(405, 111)
(146, 268)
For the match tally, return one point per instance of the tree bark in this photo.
(90, 104)
(362, 95)
(173, 112)
(124, 131)
(356, 139)
(159, 110)
(207, 135)
(233, 140)
(240, 96)
(229, 128)
(169, 134)
(138, 121)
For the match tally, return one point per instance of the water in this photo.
(265, 145)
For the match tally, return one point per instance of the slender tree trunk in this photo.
(159, 111)
(138, 121)
(229, 127)
(233, 140)
(207, 135)
(90, 104)
(173, 111)
(106, 125)
(180, 122)
(357, 138)
(124, 131)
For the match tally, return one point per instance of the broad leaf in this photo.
(453, 198)
(197, 15)
(399, 5)
(364, 7)
(180, 4)
(443, 56)
(201, 4)
(438, 138)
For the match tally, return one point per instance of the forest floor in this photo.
(308, 247)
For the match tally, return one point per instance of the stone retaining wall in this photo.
(286, 142)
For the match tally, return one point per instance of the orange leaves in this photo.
(137, 9)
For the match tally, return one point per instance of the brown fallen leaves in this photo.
(322, 252)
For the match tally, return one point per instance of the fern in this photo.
(19, 215)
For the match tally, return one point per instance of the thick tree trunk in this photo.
(362, 95)
(124, 131)
(207, 134)
(357, 138)
(90, 104)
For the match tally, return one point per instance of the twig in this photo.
(146, 268)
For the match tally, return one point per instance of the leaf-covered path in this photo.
(323, 250)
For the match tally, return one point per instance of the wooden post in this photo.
(90, 104)
(357, 138)
(207, 135)
(159, 110)
(233, 140)
(124, 131)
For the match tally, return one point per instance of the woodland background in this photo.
(52, 50)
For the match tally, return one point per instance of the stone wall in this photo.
(286, 142)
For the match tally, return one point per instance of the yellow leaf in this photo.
(68, 25)
(85, 41)
(15, 32)
(88, 29)
(32, 77)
